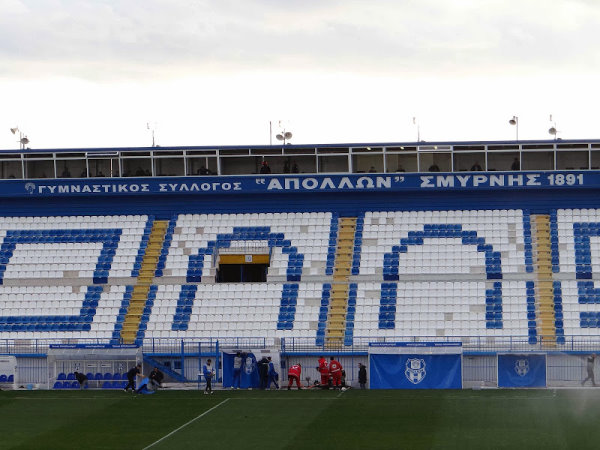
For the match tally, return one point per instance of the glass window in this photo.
(469, 162)
(402, 162)
(572, 160)
(240, 165)
(204, 165)
(366, 162)
(333, 164)
(435, 162)
(537, 161)
(11, 169)
(136, 167)
(503, 161)
(39, 169)
(71, 168)
(169, 167)
(103, 167)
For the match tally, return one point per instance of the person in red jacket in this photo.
(324, 371)
(294, 374)
(335, 369)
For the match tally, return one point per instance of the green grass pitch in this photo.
(309, 419)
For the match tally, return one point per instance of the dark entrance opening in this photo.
(242, 273)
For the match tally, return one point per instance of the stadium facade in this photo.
(188, 252)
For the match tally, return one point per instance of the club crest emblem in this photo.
(415, 370)
(522, 367)
(30, 187)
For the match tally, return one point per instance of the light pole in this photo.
(515, 121)
(23, 140)
(284, 136)
(552, 130)
(415, 123)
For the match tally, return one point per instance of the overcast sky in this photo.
(77, 73)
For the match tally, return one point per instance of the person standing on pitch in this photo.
(324, 371)
(133, 372)
(263, 372)
(362, 375)
(294, 374)
(335, 369)
(590, 369)
(209, 373)
(273, 375)
(81, 379)
(237, 370)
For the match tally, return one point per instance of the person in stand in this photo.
(362, 375)
(156, 377)
(434, 168)
(324, 371)
(265, 169)
(263, 372)
(237, 370)
(476, 167)
(515, 165)
(81, 379)
(295, 168)
(335, 369)
(131, 374)
(273, 375)
(294, 373)
(286, 166)
(590, 360)
(209, 373)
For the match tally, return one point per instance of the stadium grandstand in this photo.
(172, 255)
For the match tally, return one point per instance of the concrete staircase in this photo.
(544, 292)
(336, 319)
(144, 280)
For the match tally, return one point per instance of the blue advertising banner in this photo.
(261, 184)
(415, 371)
(527, 370)
(249, 377)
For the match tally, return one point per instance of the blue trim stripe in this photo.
(287, 308)
(143, 325)
(181, 319)
(558, 312)
(324, 309)
(528, 247)
(164, 251)
(333, 235)
(137, 265)
(350, 313)
(116, 336)
(360, 221)
(531, 312)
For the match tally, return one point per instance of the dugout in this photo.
(105, 365)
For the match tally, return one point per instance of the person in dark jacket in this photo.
(263, 372)
(156, 377)
(81, 379)
(362, 375)
(133, 372)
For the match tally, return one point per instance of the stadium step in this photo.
(139, 296)
(544, 289)
(336, 318)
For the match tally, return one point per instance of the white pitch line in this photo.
(186, 424)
